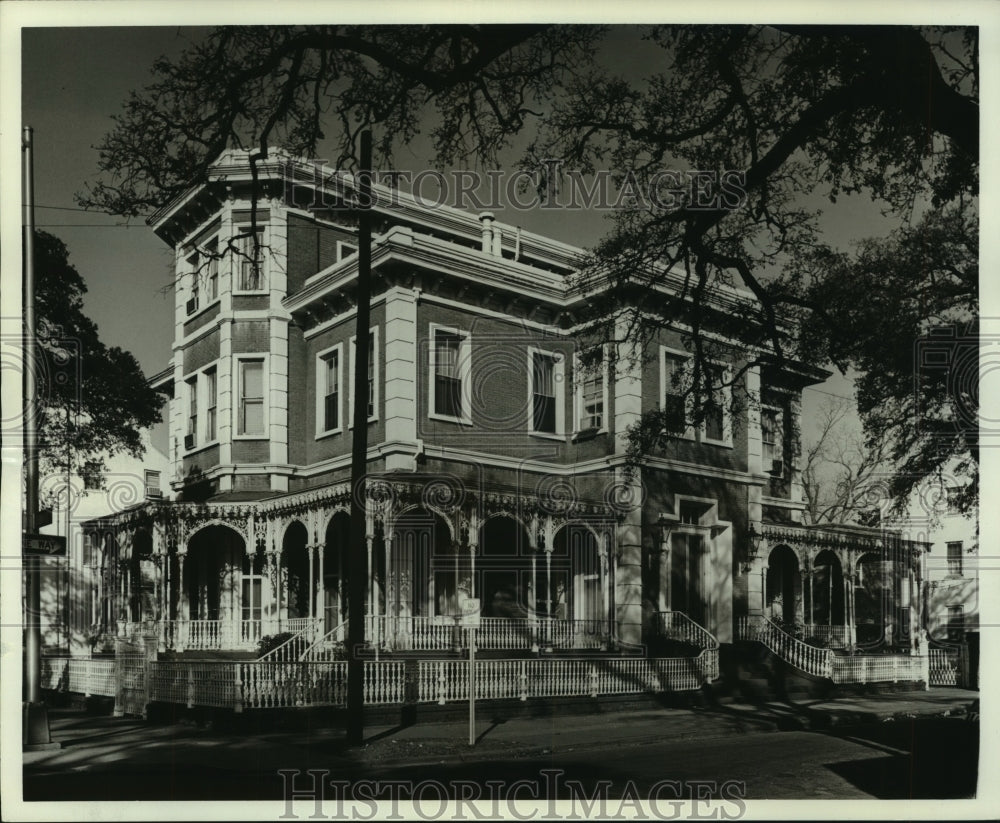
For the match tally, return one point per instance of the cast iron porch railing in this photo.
(247, 685)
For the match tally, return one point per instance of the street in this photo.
(924, 758)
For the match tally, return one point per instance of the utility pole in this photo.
(34, 715)
(358, 545)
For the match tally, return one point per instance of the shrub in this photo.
(271, 641)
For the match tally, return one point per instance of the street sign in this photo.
(469, 619)
(50, 545)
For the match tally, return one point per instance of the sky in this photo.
(76, 78)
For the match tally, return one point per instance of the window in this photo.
(676, 376)
(591, 392)
(151, 480)
(715, 415)
(954, 495)
(252, 578)
(372, 377)
(212, 250)
(250, 260)
(956, 622)
(447, 381)
(328, 391)
(251, 394)
(193, 302)
(191, 440)
(544, 378)
(674, 385)
(772, 438)
(91, 474)
(955, 557)
(211, 393)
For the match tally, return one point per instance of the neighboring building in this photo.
(951, 578)
(73, 588)
(497, 463)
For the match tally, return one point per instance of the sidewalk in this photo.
(96, 743)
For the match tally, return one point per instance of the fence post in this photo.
(593, 680)
(238, 696)
(441, 683)
(190, 700)
(524, 680)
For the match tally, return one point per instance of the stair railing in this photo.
(809, 659)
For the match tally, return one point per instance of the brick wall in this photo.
(251, 336)
(311, 248)
(201, 352)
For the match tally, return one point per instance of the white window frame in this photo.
(199, 380)
(194, 290)
(726, 401)
(579, 379)
(690, 432)
(238, 259)
(238, 361)
(321, 358)
(779, 435)
(211, 251)
(465, 373)
(667, 351)
(559, 379)
(376, 392)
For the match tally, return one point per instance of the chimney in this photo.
(487, 220)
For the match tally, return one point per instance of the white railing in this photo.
(193, 683)
(327, 648)
(307, 632)
(943, 667)
(82, 675)
(879, 668)
(229, 635)
(504, 633)
(573, 634)
(810, 659)
(678, 626)
(834, 636)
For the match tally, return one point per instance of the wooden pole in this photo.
(358, 559)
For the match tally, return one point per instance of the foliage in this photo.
(270, 642)
(93, 398)
(915, 340)
(841, 474)
(886, 112)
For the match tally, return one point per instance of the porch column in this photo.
(271, 573)
(320, 584)
(548, 596)
(391, 584)
(183, 606)
(311, 552)
(665, 571)
(812, 594)
(612, 589)
(829, 599)
(852, 631)
(373, 607)
(604, 555)
(533, 599)
(800, 604)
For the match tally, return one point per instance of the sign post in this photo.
(469, 620)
